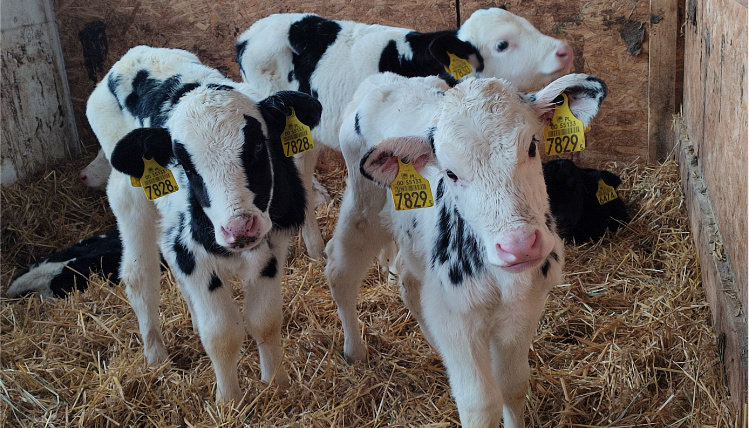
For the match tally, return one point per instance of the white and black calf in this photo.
(240, 200)
(69, 269)
(475, 269)
(329, 59)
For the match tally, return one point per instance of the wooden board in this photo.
(594, 29)
(37, 122)
(715, 115)
(662, 76)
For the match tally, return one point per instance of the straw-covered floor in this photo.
(625, 342)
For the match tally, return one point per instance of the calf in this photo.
(69, 269)
(580, 215)
(476, 267)
(239, 200)
(329, 59)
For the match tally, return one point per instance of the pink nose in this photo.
(83, 177)
(241, 231)
(565, 55)
(519, 247)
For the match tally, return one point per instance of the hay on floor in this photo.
(625, 342)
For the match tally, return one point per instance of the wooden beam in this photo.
(662, 73)
(728, 312)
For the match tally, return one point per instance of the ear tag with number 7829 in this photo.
(156, 181)
(409, 189)
(565, 133)
(296, 136)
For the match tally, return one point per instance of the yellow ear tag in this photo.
(409, 189)
(135, 182)
(296, 136)
(157, 181)
(565, 133)
(605, 193)
(458, 67)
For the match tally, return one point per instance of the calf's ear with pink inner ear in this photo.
(380, 164)
(584, 92)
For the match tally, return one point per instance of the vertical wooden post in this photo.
(662, 39)
(38, 127)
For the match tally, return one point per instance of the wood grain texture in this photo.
(662, 75)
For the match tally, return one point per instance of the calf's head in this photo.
(513, 49)
(225, 144)
(483, 155)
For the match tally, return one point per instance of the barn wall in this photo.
(713, 136)
(37, 118)
(609, 39)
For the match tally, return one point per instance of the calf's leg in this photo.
(139, 267)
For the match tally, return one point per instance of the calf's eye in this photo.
(532, 149)
(451, 175)
(502, 46)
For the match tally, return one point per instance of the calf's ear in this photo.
(127, 156)
(585, 94)
(380, 164)
(278, 106)
(440, 46)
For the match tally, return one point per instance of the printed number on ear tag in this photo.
(565, 133)
(157, 181)
(458, 67)
(409, 189)
(605, 193)
(296, 136)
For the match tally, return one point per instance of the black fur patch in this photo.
(422, 63)
(113, 82)
(197, 184)
(148, 96)
(271, 268)
(218, 87)
(215, 282)
(309, 38)
(256, 163)
(545, 268)
(201, 229)
(357, 127)
(185, 258)
(240, 48)
(457, 246)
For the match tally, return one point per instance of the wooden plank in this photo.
(728, 310)
(662, 38)
(38, 127)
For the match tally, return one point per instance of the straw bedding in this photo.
(625, 342)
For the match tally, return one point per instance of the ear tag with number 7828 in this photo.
(409, 189)
(156, 181)
(565, 133)
(296, 136)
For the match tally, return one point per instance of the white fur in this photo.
(530, 61)
(483, 325)
(209, 124)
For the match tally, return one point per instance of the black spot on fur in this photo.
(430, 138)
(201, 229)
(257, 163)
(215, 282)
(185, 258)
(357, 127)
(309, 38)
(545, 268)
(113, 82)
(219, 87)
(146, 101)
(240, 48)
(271, 268)
(457, 246)
(424, 46)
(197, 184)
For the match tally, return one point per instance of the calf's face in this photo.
(222, 141)
(513, 49)
(487, 165)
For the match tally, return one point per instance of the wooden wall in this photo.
(609, 39)
(713, 157)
